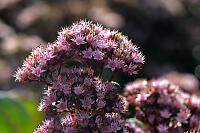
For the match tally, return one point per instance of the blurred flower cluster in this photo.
(162, 106)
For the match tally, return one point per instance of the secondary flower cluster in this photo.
(163, 107)
(87, 43)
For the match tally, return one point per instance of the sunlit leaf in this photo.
(18, 115)
(36, 116)
(14, 116)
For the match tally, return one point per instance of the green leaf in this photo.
(5, 125)
(14, 117)
(35, 116)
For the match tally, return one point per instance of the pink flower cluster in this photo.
(89, 103)
(87, 43)
(163, 107)
(76, 98)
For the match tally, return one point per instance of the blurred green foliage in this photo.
(18, 115)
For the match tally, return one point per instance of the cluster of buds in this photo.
(163, 107)
(76, 98)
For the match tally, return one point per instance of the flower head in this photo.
(76, 98)
(162, 106)
(80, 41)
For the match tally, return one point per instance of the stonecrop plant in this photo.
(163, 107)
(76, 97)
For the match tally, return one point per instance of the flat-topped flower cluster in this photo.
(163, 107)
(84, 42)
(76, 98)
